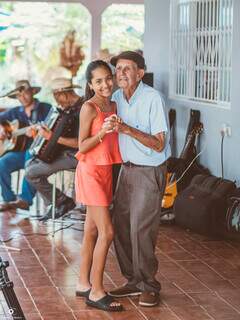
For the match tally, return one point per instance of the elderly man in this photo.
(29, 113)
(143, 145)
(66, 137)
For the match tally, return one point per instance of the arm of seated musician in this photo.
(46, 133)
(31, 132)
(68, 142)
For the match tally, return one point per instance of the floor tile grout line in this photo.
(25, 286)
(168, 307)
(203, 245)
(228, 303)
(199, 260)
(108, 274)
(220, 257)
(224, 278)
(211, 291)
(199, 281)
(133, 304)
(189, 273)
(109, 278)
(196, 305)
(57, 288)
(139, 310)
(16, 268)
(50, 278)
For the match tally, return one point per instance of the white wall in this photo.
(156, 51)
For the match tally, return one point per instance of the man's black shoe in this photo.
(5, 206)
(60, 211)
(19, 204)
(47, 216)
(64, 208)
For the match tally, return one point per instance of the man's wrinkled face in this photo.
(62, 98)
(127, 73)
(25, 97)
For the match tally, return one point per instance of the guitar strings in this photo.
(188, 167)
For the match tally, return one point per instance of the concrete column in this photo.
(95, 34)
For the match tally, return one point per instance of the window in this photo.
(201, 50)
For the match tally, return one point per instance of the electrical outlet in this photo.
(226, 130)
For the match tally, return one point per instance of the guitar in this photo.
(186, 154)
(15, 137)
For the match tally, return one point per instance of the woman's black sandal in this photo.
(84, 294)
(104, 304)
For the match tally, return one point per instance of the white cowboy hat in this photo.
(62, 84)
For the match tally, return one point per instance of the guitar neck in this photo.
(20, 132)
(189, 144)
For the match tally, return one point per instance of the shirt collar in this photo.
(136, 93)
(36, 103)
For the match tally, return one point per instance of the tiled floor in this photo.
(200, 277)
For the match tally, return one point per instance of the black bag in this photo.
(231, 219)
(202, 204)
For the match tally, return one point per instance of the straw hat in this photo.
(20, 86)
(62, 85)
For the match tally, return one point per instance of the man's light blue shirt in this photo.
(145, 112)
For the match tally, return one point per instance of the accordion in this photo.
(59, 122)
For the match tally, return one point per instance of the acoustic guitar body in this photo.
(170, 192)
(12, 143)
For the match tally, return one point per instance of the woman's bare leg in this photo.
(102, 219)
(103, 222)
(88, 245)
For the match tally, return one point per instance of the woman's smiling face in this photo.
(102, 82)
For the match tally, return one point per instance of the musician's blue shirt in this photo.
(38, 114)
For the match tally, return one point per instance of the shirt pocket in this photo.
(139, 145)
(143, 128)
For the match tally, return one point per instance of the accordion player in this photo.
(62, 123)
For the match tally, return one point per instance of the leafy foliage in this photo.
(32, 34)
(123, 27)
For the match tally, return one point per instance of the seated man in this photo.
(28, 113)
(66, 137)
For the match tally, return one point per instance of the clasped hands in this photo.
(113, 123)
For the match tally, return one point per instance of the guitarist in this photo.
(29, 111)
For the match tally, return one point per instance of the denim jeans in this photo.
(10, 162)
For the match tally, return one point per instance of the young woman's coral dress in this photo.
(93, 179)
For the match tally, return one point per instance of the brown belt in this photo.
(130, 164)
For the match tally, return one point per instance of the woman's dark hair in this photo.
(89, 93)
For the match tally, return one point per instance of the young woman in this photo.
(98, 150)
